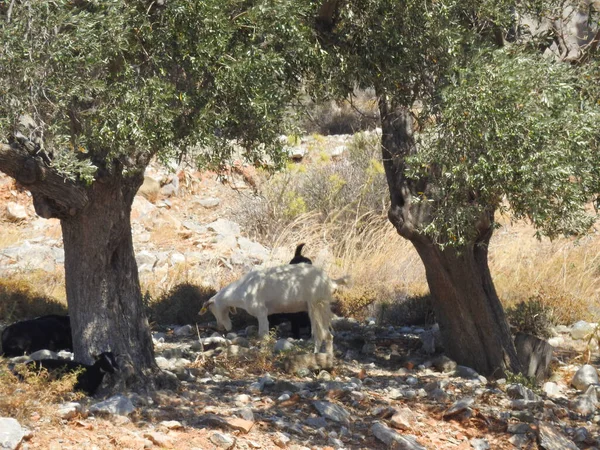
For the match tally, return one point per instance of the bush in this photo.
(342, 192)
(532, 317)
(354, 302)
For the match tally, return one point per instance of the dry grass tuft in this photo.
(19, 300)
(180, 305)
(36, 396)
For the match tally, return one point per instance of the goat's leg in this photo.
(263, 325)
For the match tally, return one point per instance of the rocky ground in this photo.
(388, 387)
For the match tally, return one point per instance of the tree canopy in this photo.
(103, 80)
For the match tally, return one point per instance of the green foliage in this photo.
(515, 131)
(122, 80)
(519, 378)
(531, 317)
(346, 191)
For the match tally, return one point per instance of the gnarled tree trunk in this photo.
(103, 290)
(468, 310)
(101, 276)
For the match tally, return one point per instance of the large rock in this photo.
(11, 433)
(534, 354)
(332, 411)
(585, 376)
(225, 227)
(551, 439)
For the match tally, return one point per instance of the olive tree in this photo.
(91, 91)
(501, 129)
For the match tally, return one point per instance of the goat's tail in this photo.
(320, 315)
(299, 250)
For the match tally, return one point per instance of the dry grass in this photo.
(34, 397)
(24, 296)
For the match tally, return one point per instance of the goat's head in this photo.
(221, 311)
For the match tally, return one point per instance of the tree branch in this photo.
(53, 195)
(325, 20)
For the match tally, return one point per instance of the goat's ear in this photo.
(232, 310)
(205, 307)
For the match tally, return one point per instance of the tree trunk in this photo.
(101, 276)
(468, 310)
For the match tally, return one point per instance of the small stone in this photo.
(69, 410)
(460, 409)
(159, 439)
(332, 411)
(444, 364)
(585, 376)
(185, 330)
(480, 444)
(239, 424)
(119, 405)
(242, 399)
(394, 439)
(171, 424)
(466, 372)
(15, 212)
(403, 419)
(551, 389)
(222, 440)
(209, 203)
(281, 439)
(282, 345)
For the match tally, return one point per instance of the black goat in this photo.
(51, 332)
(297, 319)
(88, 377)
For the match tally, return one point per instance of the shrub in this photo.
(354, 302)
(532, 317)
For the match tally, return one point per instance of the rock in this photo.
(551, 389)
(225, 227)
(518, 391)
(534, 354)
(480, 444)
(221, 440)
(393, 439)
(159, 439)
(466, 372)
(332, 411)
(185, 330)
(171, 424)
(11, 433)
(281, 439)
(69, 410)
(209, 202)
(585, 376)
(552, 439)
(15, 212)
(253, 249)
(149, 189)
(584, 405)
(117, 405)
(460, 409)
(145, 258)
(316, 422)
(282, 345)
(581, 329)
(444, 364)
(403, 419)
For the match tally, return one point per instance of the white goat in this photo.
(282, 289)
